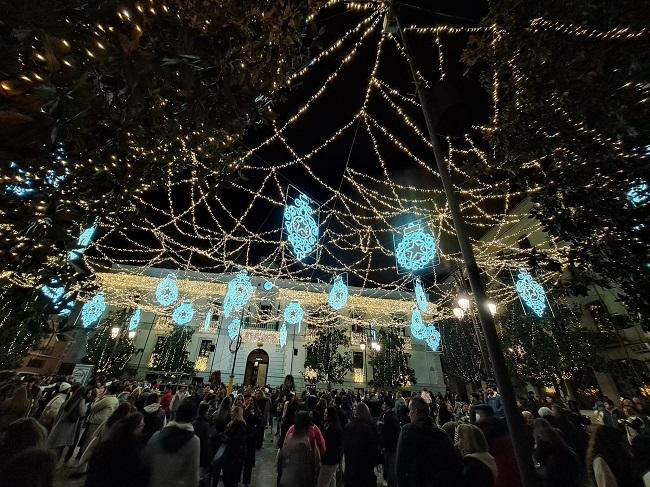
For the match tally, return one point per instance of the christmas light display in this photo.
(234, 327)
(418, 329)
(54, 292)
(421, 296)
(301, 227)
(293, 313)
(240, 291)
(416, 249)
(638, 194)
(338, 296)
(84, 240)
(282, 335)
(531, 292)
(183, 314)
(134, 322)
(93, 310)
(208, 320)
(167, 291)
(433, 338)
(268, 285)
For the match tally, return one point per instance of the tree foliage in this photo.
(170, 353)
(461, 357)
(390, 366)
(327, 355)
(110, 355)
(570, 128)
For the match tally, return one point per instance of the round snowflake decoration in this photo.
(421, 296)
(433, 338)
(234, 328)
(183, 314)
(135, 319)
(92, 310)
(418, 328)
(416, 249)
(301, 227)
(283, 335)
(338, 294)
(240, 291)
(531, 292)
(167, 291)
(293, 313)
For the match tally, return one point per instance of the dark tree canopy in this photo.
(327, 355)
(390, 366)
(110, 355)
(170, 352)
(461, 357)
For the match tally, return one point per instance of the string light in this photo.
(234, 327)
(301, 227)
(282, 335)
(421, 296)
(134, 322)
(240, 291)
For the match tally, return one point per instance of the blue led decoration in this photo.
(61, 305)
(183, 313)
(293, 314)
(338, 294)
(208, 320)
(531, 292)
(639, 194)
(268, 285)
(433, 338)
(167, 291)
(421, 296)
(53, 293)
(301, 227)
(93, 310)
(282, 335)
(135, 319)
(234, 328)
(416, 249)
(83, 242)
(418, 328)
(239, 292)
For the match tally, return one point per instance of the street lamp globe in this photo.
(492, 307)
(131, 334)
(115, 332)
(463, 302)
(458, 313)
(363, 346)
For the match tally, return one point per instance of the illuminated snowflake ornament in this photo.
(418, 328)
(301, 227)
(293, 313)
(93, 310)
(421, 296)
(282, 335)
(167, 291)
(531, 292)
(54, 292)
(61, 304)
(208, 320)
(416, 249)
(239, 292)
(84, 240)
(338, 296)
(234, 328)
(433, 338)
(639, 194)
(183, 314)
(135, 319)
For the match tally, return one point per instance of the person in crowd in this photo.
(166, 400)
(361, 447)
(202, 430)
(173, 453)
(263, 405)
(179, 397)
(425, 455)
(444, 414)
(298, 460)
(102, 409)
(493, 399)
(574, 434)
(67, 427)
(641, 454)
(555, 462)
(220, 419)
(609, 459)
(479, 467)
(154, 416)
(21, 435)
(389, 432)
(330, 461)
(315, 437)
(611, 415)
(318, 414)
(288, 417)
(21, 471)
(253, 425)
(450, 429)
(51, 411)
(118, 460)
(288, 386)
(235, 448)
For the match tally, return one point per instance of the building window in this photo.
(201, 363)
(524, 243)
(357, 360)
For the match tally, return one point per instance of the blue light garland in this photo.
(93, 310)
(433, 338)
(135, 319)
(84, 240)
(282, 335)
(418, 329)
(638, 194)
(239, 292)
(339, 294)
(208, 320)
(421, 296)
(56, 294)
(167, 291)
(183, 314)
(531, 292)
(53, 292)
(301, 227)
(416, 249)
(234, 328)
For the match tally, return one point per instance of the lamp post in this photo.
(365, 369)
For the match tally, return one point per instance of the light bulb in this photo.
(115, 331)
(459, 313)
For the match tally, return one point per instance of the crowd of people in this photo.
(129, 433)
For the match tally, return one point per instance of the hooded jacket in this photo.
(172, 456)
(154, 420)
(479, 469)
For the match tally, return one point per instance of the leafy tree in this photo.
(461, 357)
(110, 355)
(390, 366)
(325, 357)
(571, 128)
(170, 352)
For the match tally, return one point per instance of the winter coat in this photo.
(202, 431)
(315, 438)
(426, 457)
(233, 460)
(501, 448)
(51, 411)
(118, 464)
(557, 465)
(179, 397)
(64, 432)
(154, 420)
(495, 403)
(333, 436)
(173, 455)
(101, 410)
(479, 470)
(389, 431)
(297, 463)
(361, 446)
(166, 400)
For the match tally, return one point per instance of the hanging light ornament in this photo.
(293, 314)
(83, 242)
(93, 310)
(421, 296)
(135, 319)
(531, 292)
(433, 338)
(418, 329)
(416, 249)
(239, 292)
(283, 335)
(338, 297)
(301, 227)
(639, 193)
(234, 327)
(167, 291)
(183, 314)
(208, 320)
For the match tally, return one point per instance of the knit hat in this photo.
(544, 411)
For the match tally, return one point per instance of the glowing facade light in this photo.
(53, 292)
(416, 249)
(56, 294)
(639, 194)
(131, 334)
(418, 328)
(421, 296)
(433, 338)
(208, 320)
(268, 285)
(93, 310)
(531, 292)
(458, 313)
(301, 227)
(234, 328)
(115, 332)
(282, 335)
(239, 292)
(135, 320)
(363, 347)
(167, 291)
(339, 294)
(492, 307)
(183, 314)
(463, 302)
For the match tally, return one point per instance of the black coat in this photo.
(426, 457)
(202, 430)
(333, 435)
(361, 446)
(390, 430)
(114, 463)
(476, 473)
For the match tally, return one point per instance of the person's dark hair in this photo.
(389, 402)
(204, 407)
(20, 470)
(608, 401)
(78, 393)
(610, 444)
(420, 406)
(115, 388)
(122, 431)
(289, 378)
(543, 430)
(23, 434)
(333, 416)
(122, 410)
(303, 422)
(152, 398)
(186, 411)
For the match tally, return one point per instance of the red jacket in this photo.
(166, 400)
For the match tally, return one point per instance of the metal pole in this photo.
(479, 342)
(522, 449)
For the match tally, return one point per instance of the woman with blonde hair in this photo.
(479, 467)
